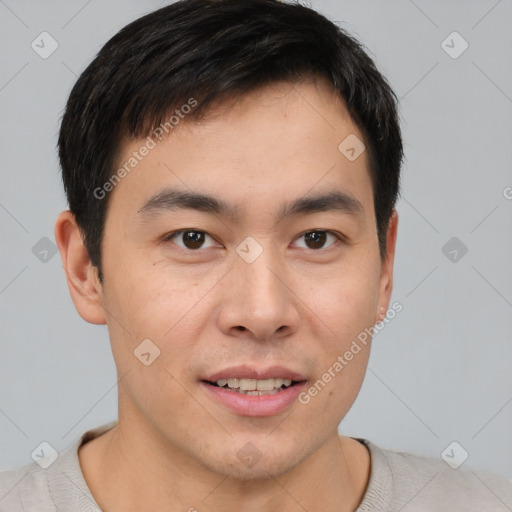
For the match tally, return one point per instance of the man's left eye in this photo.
(316, 239)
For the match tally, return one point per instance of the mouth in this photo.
(247, 391)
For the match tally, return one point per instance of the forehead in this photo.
(276, 142)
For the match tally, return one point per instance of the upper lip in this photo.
(251, 372)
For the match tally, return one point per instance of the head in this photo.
(232, 170)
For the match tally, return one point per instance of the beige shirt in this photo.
(398, 482)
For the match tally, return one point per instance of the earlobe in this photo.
(382, 314)
(81, 276)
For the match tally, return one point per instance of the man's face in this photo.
(253, 290)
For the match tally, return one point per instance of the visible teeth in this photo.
(233, 383)
(278, 383)
(270, 392)
(247, 384)
(253, 385)
(268, 384)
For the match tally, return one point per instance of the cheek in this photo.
(345, 301)
(152, 340)
(168, 308)
(152, 298)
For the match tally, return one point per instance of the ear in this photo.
(81, 276)
(386, 276)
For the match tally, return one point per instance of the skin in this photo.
(206, 309)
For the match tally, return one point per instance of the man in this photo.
(232, 170)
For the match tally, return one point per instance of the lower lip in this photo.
(255, 405)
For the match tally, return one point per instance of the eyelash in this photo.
(339, 237)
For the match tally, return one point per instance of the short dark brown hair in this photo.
(213, 50)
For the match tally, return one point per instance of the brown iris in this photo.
(193, 239)
(317, 238)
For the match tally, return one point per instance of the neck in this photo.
(129, 470)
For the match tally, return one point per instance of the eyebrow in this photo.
(169, 200)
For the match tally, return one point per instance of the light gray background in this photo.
(439, 372)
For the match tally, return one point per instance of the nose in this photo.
(259, 300)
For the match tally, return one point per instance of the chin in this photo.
(249, 465)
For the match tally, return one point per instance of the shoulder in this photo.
(25, 488)
(59, 485)
(429, 483)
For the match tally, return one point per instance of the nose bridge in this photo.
(261, 286)
(259, 301)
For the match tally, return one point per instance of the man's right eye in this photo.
(191, 239)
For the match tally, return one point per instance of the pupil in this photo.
(193, 239)
(317, 237)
